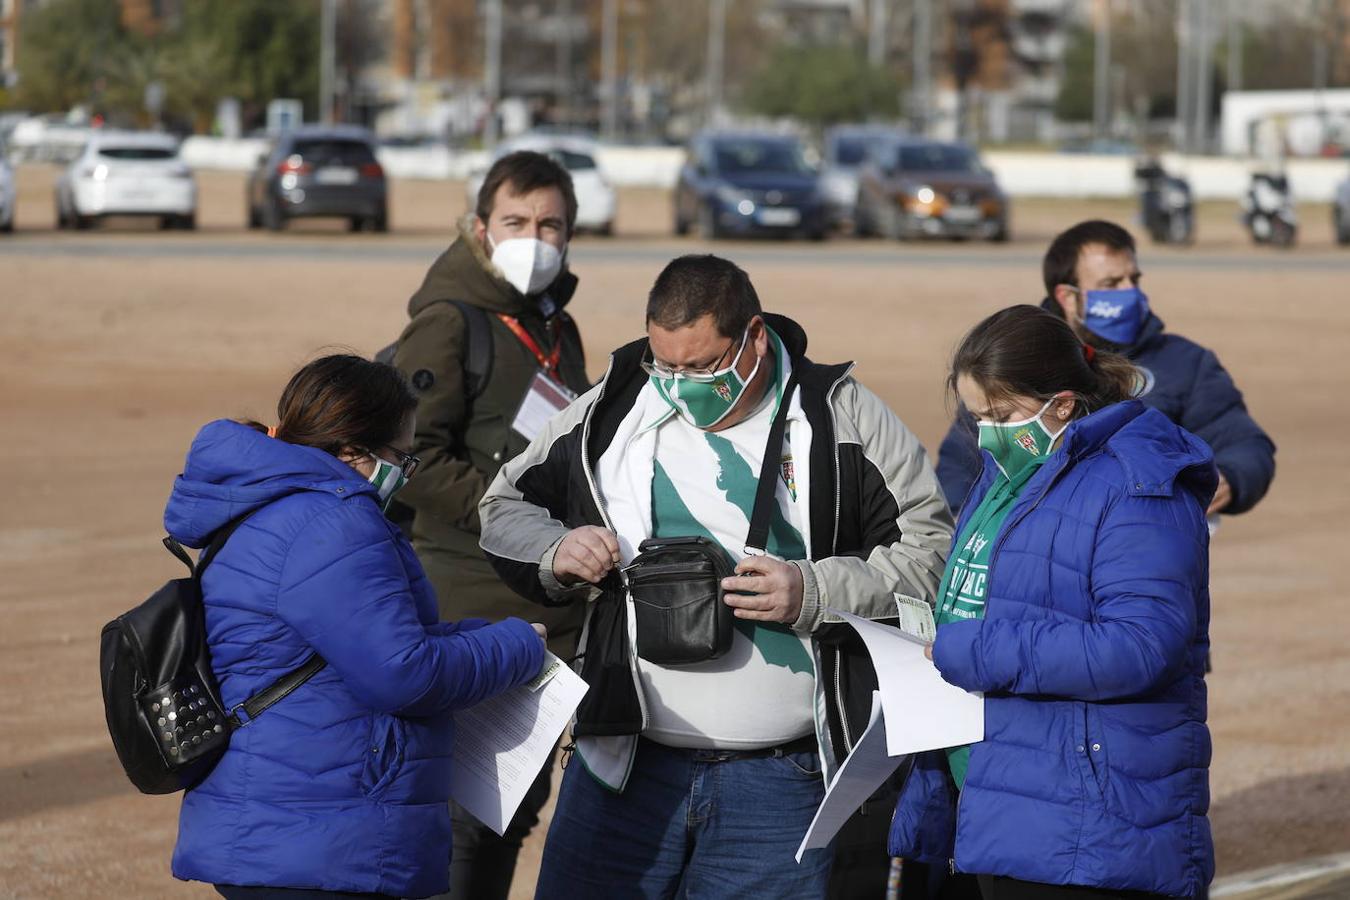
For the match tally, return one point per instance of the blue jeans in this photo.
(688, 825)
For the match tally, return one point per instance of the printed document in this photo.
(857, 779)
(501, 744)
(922, 712)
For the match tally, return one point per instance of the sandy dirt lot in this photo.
(118, 344)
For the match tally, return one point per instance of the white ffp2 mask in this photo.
(528, 264)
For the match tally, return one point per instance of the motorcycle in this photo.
(1268, 210)
(1165, 204)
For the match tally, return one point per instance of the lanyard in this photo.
(549, 362)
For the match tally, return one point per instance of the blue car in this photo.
(742, 184)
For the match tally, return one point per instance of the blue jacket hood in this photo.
(233, 469)
(1158, 456)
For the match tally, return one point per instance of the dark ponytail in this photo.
(1024, 351)
(341, 402)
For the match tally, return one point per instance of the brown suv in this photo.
(915, 188)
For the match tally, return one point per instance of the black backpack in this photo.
(163, 706)
(478, 340)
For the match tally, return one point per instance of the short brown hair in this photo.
(342, 402)
(1060, 265)
(697, 285)
(526, 171)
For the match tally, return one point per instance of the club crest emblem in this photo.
(723, 390)
(1027, 441)
(790, 476)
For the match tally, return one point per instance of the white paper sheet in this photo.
(857, 779)
(502, 743)
(922, 712)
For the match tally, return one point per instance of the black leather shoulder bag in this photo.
(676, 582)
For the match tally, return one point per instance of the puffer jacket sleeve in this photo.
(344, 588)
(1150, 564)
(1215, 413)
(959, 460)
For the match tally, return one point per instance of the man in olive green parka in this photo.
(509, 265)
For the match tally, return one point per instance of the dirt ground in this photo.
(117, 345)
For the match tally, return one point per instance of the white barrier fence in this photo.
(1020, 174)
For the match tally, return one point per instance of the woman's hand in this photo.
(541, 630)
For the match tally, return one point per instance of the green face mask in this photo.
(388, 479)
(1016, 445)
(704, 399)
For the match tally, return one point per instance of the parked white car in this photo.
(596, 201)
(7, 193)
(127, 174)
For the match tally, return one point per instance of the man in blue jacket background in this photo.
(1092, 276)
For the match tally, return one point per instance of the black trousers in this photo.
(997, 887)
(236, 892)
(922, 882)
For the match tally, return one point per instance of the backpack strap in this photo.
(250, 709)
(478, 357)
(477, 363)
(275, 692)
(756, 542)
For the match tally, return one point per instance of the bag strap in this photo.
(283, 686)
(278, 690)
(756, 542)
(478, 356)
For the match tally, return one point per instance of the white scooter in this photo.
(1268, 210)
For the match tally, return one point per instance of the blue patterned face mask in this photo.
(1116, 315)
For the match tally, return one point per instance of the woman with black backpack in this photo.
(340, 789)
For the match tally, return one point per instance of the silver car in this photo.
(127, 174)
(845, 153)
(1340, 213)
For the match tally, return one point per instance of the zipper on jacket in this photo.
(839, 701)
(956, 827)
(834, 550)
(834, 429)
(604, 518)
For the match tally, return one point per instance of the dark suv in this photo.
(748, 183)
(313, 171)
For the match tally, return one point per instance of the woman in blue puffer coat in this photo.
(341, 788)
(1076, 598)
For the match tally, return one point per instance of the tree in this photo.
(66, 55)
(822, 85)
(259, 50)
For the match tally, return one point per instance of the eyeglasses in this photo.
(706, 374)
(407, 463)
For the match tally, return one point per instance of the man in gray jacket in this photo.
(709, 773)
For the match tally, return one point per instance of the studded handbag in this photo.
(163, 707)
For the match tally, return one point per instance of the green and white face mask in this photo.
(703, 399)
(388, 479)
(1016, 445)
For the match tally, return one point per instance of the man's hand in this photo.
(774, 590)
(1222, 497)
(586, 554)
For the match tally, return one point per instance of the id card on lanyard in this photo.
(544, 400)
(547, 395)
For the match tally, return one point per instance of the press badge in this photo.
(544, 400)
